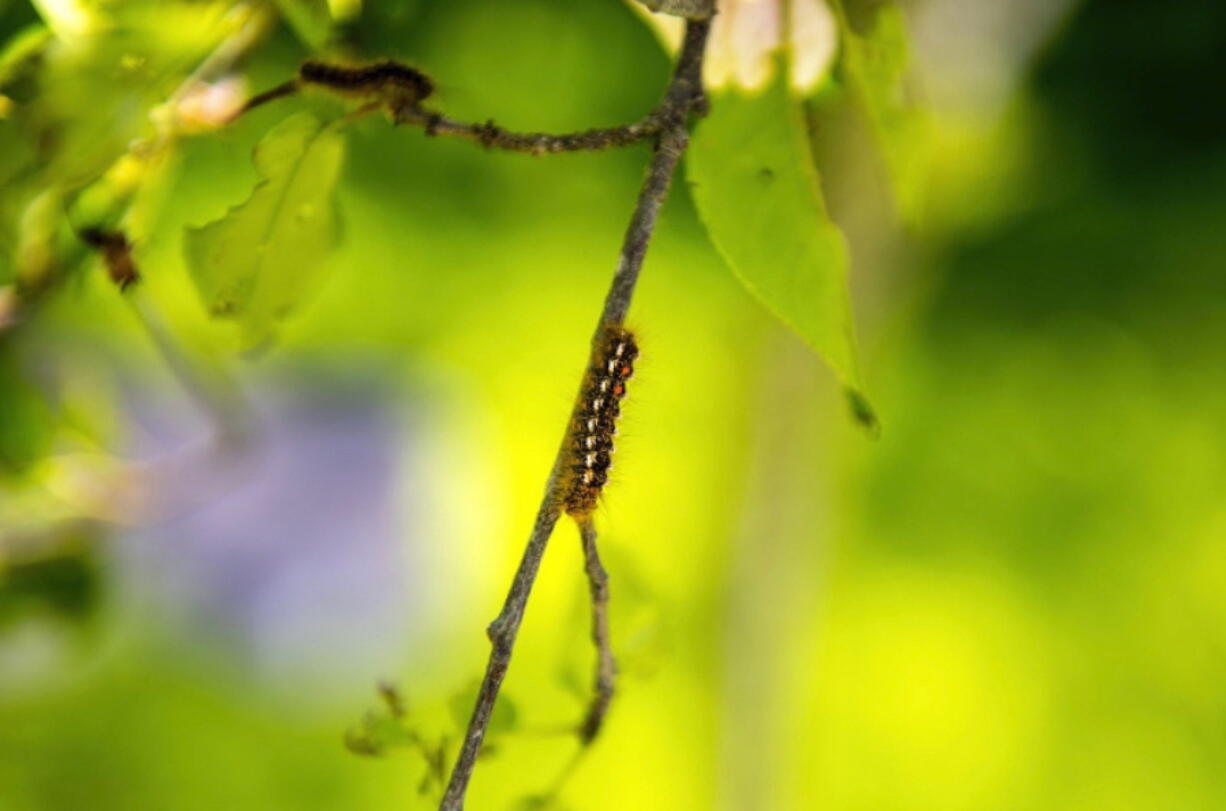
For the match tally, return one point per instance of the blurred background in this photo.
(1014, 598)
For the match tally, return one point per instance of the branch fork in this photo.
(668, 125)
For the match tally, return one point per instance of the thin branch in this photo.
(643, 222)
(260, 99)
(492, 136)
(684, 96)
(489, 134)
(606, 665)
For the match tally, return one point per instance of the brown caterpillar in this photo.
(595, 420)
(399, 86)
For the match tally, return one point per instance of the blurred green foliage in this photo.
(876, 65)
(1015, 598)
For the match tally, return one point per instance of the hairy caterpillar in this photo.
(399, 86)
(595, 421)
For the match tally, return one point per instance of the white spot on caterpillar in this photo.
(592, 440)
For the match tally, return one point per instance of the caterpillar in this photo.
(400, 86)
(397, 87)
(595, 420)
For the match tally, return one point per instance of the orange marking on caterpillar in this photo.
(595, 420)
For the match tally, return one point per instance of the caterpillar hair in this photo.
(595, 421)
(396, 83)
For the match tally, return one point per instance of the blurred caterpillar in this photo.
(595, 421)
(397, 87)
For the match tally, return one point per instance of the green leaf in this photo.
(757, 190)
(377, 733)
(875, 64)
(255, 263)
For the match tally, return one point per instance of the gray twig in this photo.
(489, 134)
(260, 99)
(683, 97)
(492, 136)
(606, 665)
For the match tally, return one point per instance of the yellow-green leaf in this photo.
(255, 263)
(757, 190)
(876, 64)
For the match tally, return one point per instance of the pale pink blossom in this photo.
(209, 105)
(747, 34)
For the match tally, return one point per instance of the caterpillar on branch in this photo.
(397, 86)
(595, 420)
(392, 85)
